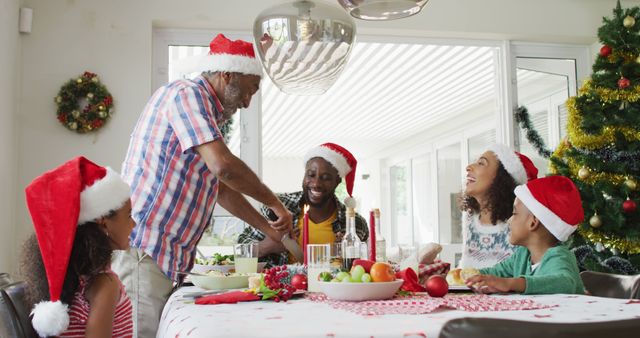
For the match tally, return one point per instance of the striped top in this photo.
(173, 191)
(80, 308)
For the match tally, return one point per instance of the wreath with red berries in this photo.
(84, 104)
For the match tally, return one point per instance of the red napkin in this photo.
(410, 280)
(227, 298)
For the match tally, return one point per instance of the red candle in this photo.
(305, 232)
(372, 236)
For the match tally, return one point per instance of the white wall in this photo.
(9, 66)
(283, 174)
(113, 39)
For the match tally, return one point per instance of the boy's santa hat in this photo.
(59, 201)
(224, 55)
(555, 201)
(517, 165)
(340, 158)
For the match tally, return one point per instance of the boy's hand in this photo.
(493, 284)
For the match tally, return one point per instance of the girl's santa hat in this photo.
(340, 158)
(224, 55)
(59, 201)
(517, 165)
(555, 201)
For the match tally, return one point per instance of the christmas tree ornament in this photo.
(595, 221)
(628, 21)
(605, 51)
(90, 96)
(615, 252)
(623, 105)
(584, 173)
(599, 247)
(58, 99)
(629, 206)
(79, 80)
(631, 184)
(623, 83)
(638, 59)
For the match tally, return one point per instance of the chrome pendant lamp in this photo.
(382, 9)
(304, 45)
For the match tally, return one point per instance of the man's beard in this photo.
(231, 99)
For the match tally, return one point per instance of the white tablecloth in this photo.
(304, 318)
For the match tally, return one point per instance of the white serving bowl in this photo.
(360, 291)
(220, 282)
(203, 268)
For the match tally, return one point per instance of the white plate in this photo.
(220, 282)
(459, 288)
(360, 291)
(203, 268)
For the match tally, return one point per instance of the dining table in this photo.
(315, 315)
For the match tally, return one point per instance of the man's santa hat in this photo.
(340, 158)
(224, 56)
(555, 201)
(517, 165)
(59, 201)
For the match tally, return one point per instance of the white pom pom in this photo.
(350, 202)
(50, 318)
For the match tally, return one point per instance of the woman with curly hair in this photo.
(81, 213)
(487, 204)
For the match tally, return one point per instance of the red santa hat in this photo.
(59, 200)
(517, 165)
(224, 55)
(555, 201)
(340, 158)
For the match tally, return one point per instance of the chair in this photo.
(17, 293)
(611, 285)
(9, 325)
(492, 328)
(5, 279)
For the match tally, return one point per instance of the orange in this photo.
(382, 272)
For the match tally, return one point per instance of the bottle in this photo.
(381, 244)
(351, 244)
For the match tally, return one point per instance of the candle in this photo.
(305, 232)
(372, 236)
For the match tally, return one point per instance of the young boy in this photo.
(545, 212)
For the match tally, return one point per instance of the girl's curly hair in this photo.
(500, 194)
(90, 255)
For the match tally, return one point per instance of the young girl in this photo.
(81, 212)
(487, 203)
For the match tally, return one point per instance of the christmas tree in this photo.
(602, 151)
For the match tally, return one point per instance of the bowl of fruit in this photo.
(365, 281)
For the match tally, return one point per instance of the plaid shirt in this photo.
(294, 203)
(173, 191)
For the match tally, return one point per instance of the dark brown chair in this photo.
(494, 328)
(17, 294)
(9, 325)
(5, 279)
(611, 285)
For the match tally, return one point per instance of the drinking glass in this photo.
(318, 258)
(246, 257)
(336, 256)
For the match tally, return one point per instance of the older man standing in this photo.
(178, 166)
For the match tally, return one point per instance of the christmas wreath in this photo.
(84, 104)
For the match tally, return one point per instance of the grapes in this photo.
(346, 279)
(366, 278)
(357, 272)
(341, 275)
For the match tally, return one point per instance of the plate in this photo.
(203, 269)
(459, 288)
(356, 292)
(220, 282)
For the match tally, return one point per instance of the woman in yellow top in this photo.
(325, 167)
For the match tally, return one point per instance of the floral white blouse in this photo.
(484, 245)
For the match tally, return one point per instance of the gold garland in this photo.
(574, 168)
(607, 136)
(611, 242)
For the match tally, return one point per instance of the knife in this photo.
(293, 247)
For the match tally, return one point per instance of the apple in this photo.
(437, 286)
(299, 281)
(365, 263)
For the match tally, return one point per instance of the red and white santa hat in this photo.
(236, 56)
(340, 158)
(517, 165)
(59, 201)
(555, 201)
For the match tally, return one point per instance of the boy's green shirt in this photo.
(557, 272)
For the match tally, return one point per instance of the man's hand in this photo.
(284, 220)
(493, 284)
